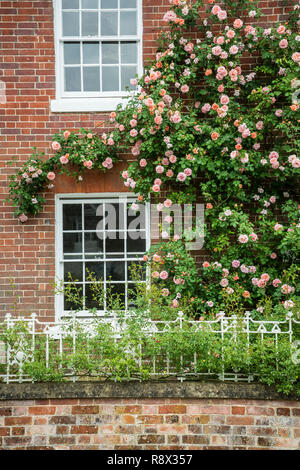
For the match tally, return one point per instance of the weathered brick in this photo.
(42, 410)
(283, 411)
(85, 409)
(195, 439)
(84, 429)
(238, 410)
(151, 439)
(5, 411)
(260, 411)
(172, 409)
(15, 421)
(62, 420)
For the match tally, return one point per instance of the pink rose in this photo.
(23, 218)
(64, 160)
(158, 120)
(224, 99)
(133, 132)
(168, 203)
(187, 171)
(56, 146)
(181, 176)
(88, 164)
(133, 81)
(233, 50)
(222, 15)
(253, 237)
(164, 275)
(184, 88)
(237, 24)
(243, 238)
(51, 175)
(283, 44)
(66, 134)
(215, 10)
(230, 34)
(235, 263)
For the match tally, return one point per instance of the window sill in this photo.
(89, 105)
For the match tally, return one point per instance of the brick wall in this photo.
(28, 70)
(149, 423)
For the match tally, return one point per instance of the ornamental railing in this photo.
(110, 349)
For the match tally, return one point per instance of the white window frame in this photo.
(89, 101)
(92, 198)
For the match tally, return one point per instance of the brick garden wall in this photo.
(27, 253)
(145, 424)
(166, 415)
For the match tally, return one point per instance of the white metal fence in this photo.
(25, 343)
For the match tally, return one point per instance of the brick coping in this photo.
(167, 389)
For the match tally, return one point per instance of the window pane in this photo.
(72, 219)
(115, 271)
(126, 74)
(89, 4)
(96, 269)
(70, 4)
(91, 298)
(89, 23)
(128, 23)
(114, 243)
(109, 4)
(72, 79)
(90, 52)
(93, 243)
(132, 294)
(128, 52)
(136, 245)
(91, 78)
(114, 216)
(75, 270)
(72, 243)
(69, 305)
(110, 78)
(109, 24)
(136, 271)
(70, 23)
(136, 219)
(110, 53)
(92, 221)
(127, 3)
(117, 292)
(71, 53)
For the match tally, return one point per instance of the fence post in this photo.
(7, 320)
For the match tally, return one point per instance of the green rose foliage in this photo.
(217, 128)
(75, 153)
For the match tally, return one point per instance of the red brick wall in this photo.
(28, 70)
(182, 424)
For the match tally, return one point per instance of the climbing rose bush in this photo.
(70, 153)
(203, 126)
(206, 123)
